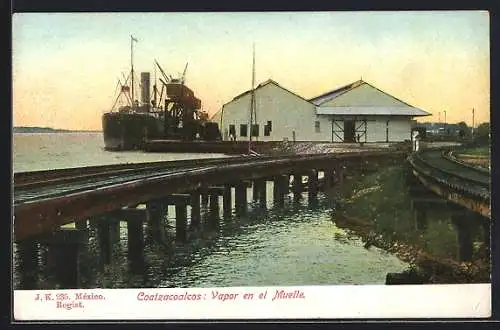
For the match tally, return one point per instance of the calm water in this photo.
(42, 151)
(297, 245)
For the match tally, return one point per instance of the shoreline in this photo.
(434, 269)
(427, 267)
(57, 132)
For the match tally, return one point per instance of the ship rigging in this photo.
(173, 114)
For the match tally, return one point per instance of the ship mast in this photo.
(252, 104)
(154, 88)
(132, 39)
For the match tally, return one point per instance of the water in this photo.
(441, 232)
(42, 151)
(294, 246)
(290, 250)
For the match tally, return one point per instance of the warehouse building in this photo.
(357, 112)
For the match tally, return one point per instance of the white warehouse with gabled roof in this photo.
(357, 112)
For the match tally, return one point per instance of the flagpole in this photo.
(132, 65)
(252, 100)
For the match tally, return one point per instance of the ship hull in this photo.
(129, 131)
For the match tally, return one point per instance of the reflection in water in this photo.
(390, 203)
(294, 246)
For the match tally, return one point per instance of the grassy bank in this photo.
(478, 151)
(377, 207)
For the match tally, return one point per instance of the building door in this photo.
(337, 131)
(349, 131)
(361, 131)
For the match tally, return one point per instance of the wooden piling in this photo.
(213, 216)
(227, 207)
(255, 190)
(135, 236)
(27, 252)
(204, 199)
(64, 247)
(195, 210)
(108, 234)
(329, 179)
(262, 192)
(157, 212)
(280, 188)
(464, 237)
(276, 190)
(240, 198)
(180, 223)
(297, 187)
(339, 174)
(312, 189)
(420, 217)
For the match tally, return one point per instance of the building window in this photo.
(317, 127)
(255, 130)
(243, 129)
(268, 128)
(232, 132)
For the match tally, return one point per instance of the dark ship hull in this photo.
(129, 131)
(175, 116)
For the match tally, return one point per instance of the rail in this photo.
(46, 209)
(466, 179)
(34, 178)
(450, 155)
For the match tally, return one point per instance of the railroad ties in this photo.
(462, 185)
(196, 211)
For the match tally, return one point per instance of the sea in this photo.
(297, 245)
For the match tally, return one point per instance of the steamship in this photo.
(130, 125)
(175, 115)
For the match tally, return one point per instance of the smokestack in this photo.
(145, 98)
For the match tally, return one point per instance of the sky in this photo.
(65, 66)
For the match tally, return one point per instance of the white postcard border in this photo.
(297, 302)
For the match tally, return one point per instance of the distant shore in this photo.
(23, 129)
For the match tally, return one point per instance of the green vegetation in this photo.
(482, 134)
(479, 151)
(382, 198)
(378, 207)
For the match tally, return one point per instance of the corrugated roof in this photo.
(408, 110)
(262, 84)
(364, 111)
(318, 100)
(336, 92)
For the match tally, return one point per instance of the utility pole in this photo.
(472, 132)
(252, 104)
(445, 117)
(439, 117)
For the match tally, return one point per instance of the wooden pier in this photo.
(144, 205)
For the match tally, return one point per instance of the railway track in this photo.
(40, 185)
(49, 177)
(89, 182)
(42, 204)
(452, 156)
(437, 165)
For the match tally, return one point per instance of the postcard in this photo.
(251, 165)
